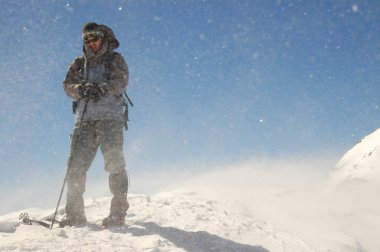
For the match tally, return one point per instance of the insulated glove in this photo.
(93, 91)
(104, 88)
(80, 90)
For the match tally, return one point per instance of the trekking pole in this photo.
(69, 162)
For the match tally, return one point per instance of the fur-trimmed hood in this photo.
(110, 41)
(109, 36)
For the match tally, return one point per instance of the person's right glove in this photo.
(80, 89)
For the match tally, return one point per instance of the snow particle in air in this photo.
(355, 8)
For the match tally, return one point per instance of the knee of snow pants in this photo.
(118, 183)
(83, 147)
(111, 140)
(76, 183)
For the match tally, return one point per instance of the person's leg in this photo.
(111, 144)
(118, 183)
(83, 150)
(74, 209)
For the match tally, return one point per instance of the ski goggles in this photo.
(92, 35)
(90, 40)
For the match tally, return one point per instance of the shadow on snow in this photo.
(192, 241)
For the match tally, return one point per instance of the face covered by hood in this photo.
(91, 30)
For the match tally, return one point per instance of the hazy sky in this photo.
(213, 82)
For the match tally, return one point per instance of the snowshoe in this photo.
(25, 219)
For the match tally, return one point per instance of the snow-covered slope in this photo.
(273, 205)
(164, 222)
(362, 162)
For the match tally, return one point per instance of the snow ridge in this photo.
(362, 162)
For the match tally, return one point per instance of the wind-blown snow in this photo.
(276, 206)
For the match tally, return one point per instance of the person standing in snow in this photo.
(96, 81)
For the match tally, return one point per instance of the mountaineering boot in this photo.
(73, 222)
(118, 183)
(113, 221)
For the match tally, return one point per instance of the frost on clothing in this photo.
(107, 67)
(99, 124)
(108, 135)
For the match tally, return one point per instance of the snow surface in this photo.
(362, 162)
(164, 222)
(277, 206)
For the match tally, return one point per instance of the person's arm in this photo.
(74, 78)
(119, 75)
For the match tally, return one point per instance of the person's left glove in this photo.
(103, 88)
(94, 91)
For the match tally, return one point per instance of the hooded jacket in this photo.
(106, 67)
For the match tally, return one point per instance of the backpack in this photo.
(79, 62)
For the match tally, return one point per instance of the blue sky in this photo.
(214, 82)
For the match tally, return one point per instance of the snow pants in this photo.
(85, 141)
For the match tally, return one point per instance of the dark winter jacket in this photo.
(106, 66)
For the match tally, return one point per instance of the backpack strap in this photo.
(127, 102)
(80, 64)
